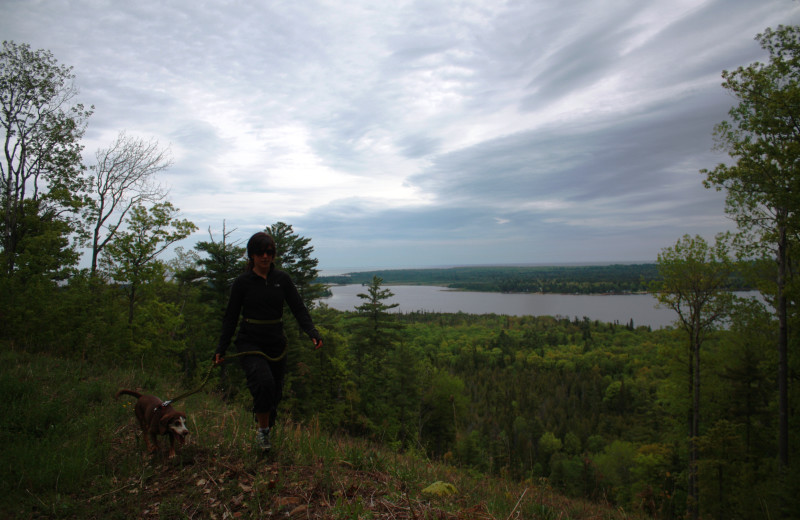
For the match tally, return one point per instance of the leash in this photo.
(211, 368)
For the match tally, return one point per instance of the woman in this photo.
(258, 296)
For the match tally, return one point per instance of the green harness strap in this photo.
(262, 322)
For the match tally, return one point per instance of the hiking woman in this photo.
(258, 296)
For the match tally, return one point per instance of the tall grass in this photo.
(71, 451)
(56, 426)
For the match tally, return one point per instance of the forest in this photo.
(583, 279)
(695, 421)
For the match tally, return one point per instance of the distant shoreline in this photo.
(596, 278)
(515, 279)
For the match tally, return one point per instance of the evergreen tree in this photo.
(375, 334)
(224, 261)
(374, 330)
(294, 257)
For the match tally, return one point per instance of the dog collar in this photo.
(162, 405)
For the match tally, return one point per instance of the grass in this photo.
(72, 451)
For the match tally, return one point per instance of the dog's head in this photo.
(175, 423)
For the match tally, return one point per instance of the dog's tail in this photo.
(137, 395)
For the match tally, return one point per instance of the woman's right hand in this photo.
(218, 359)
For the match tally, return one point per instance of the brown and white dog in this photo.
(158, 418)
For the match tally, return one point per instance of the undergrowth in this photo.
(71, 451)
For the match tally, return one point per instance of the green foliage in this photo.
(41, 169)
(294, 257)
(695, 280)
(222, 263)
(131, 259)
(762, 184)
(522, 397)
(44, 247)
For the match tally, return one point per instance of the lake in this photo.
(607, 308)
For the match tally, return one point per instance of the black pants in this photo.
(265, 382)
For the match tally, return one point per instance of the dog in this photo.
(158, 418)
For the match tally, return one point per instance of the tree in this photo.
(41, 170)
(763, 184)
(374, 324)
(225, 261)
(374, 337)
(44, 249)
(131, 257)
(694, 284)
(123, 178)
(294, 256)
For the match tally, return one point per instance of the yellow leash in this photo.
(211, 368)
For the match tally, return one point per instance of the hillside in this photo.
(74, 452)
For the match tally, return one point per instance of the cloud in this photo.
(413, 133)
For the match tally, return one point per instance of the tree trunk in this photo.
(131, 300)
(95, 240)
(692, 503)
(696, 423)
(783, 340)
(691, 482)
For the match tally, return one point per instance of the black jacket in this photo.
(254, 298)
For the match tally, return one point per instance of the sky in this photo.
(419, 133)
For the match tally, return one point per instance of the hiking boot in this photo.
(263, 439)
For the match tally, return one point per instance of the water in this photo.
(641, 308)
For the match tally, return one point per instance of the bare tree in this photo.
(124, 178)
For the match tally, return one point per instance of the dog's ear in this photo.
(163, 424)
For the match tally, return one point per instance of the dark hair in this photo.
(257, 244)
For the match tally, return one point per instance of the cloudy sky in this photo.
(421, 133)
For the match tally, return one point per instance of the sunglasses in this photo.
(268, 252)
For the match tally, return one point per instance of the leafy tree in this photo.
(41, 167)
(45, 249)
(763, 184)
(123, 179)
(131, 259)
(442, 404)
(30, 303)
(404, 389)
(617, 464)
(694, 282)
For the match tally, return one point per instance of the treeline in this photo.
(564, 279)
(573, 279)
